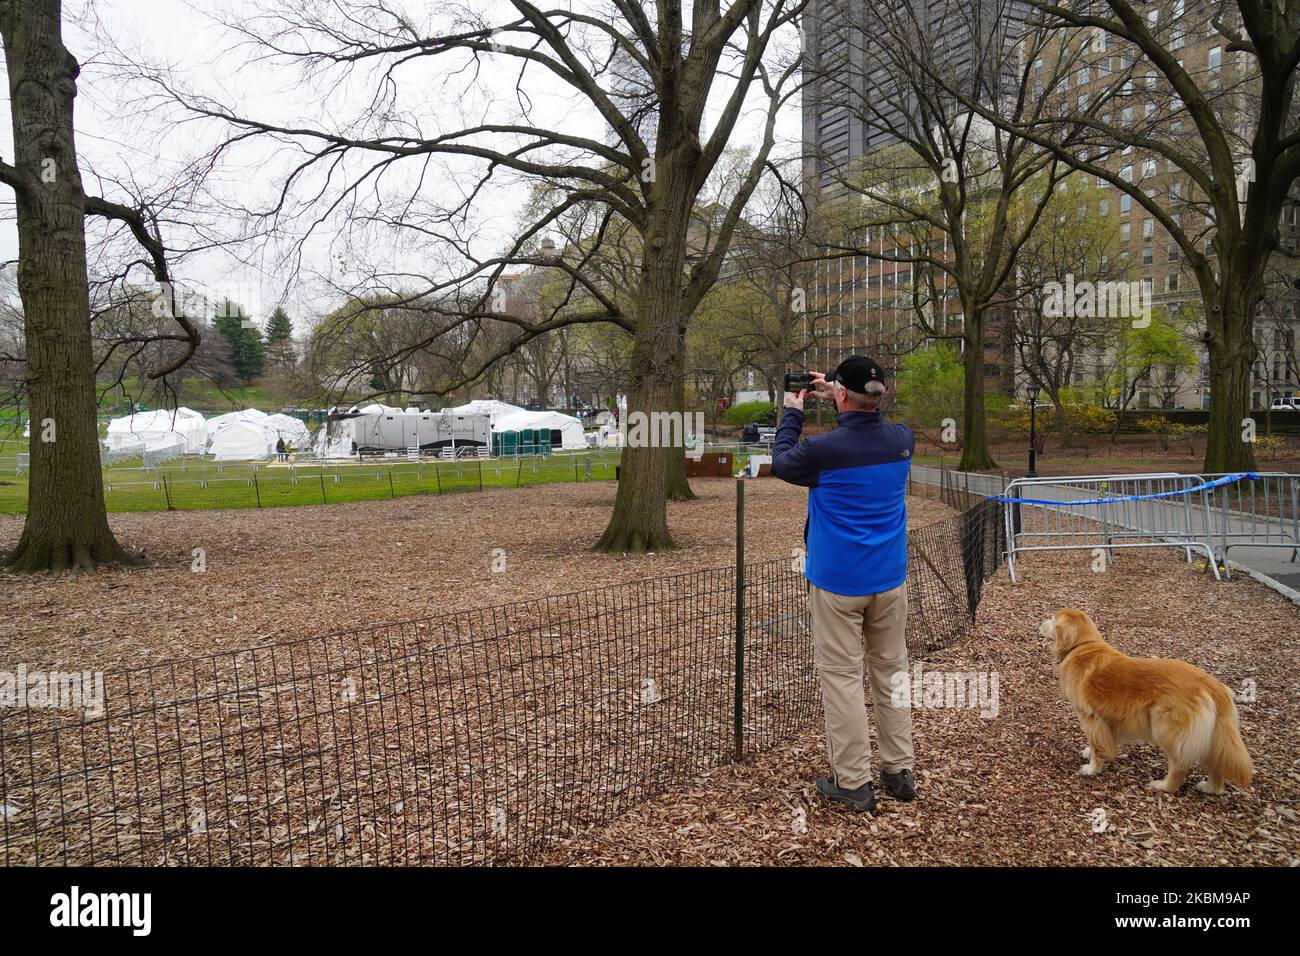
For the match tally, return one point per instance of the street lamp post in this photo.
(1033, 427)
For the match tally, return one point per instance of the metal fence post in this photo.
(739, 707)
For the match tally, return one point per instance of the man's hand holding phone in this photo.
(821, 388)
(799, 385)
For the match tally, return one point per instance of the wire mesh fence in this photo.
(464, 738)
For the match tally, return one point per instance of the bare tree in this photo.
(67, 526)
(1057, 347)
(707, 67)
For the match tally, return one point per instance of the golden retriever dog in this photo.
(1120, 699)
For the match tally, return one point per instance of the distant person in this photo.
(279, 449)
(856, 566)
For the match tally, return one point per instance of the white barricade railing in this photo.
(1263, 512)
(1160, 509)
(1107, 512)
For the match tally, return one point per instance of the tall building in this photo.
(857, 101)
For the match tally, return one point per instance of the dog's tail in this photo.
(1227, 757)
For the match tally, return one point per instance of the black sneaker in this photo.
(860, 800)
(900, 786)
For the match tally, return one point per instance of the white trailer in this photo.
(413, 429)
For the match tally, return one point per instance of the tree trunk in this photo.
(640, 519)
(67, 526)
(1232, 359)
(975, 447)
(1062, 420)
(678, 488)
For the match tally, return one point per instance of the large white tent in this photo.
(158, 428)
(291, 429)
(511, 418)
(219, 422)
(243, 441)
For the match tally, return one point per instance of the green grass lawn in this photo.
(190, 485)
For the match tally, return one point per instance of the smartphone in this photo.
(798, 381)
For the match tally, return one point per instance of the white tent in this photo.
(243, 441)
(154, 428)
(291, 429)
(570, 428)
(243, 415)
(334, 439)
(487, 406)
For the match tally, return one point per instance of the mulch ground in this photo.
(1007, 790)
(286, 573)
(1004, 790)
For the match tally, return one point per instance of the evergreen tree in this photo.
(279, 339)
(279, 327)
(247, 353)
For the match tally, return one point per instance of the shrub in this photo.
(1081, 418)
(1090, 418)
(1270, 446)
(764, 413)
(929, 385)
(1188, 433)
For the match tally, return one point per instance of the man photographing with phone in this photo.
(856, 566)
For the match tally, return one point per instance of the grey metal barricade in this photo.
(1258, 512)
(1088, 512)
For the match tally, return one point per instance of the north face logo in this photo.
(906, 453)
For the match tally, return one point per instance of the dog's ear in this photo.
(1068, 630)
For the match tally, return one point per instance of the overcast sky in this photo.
(125, 133)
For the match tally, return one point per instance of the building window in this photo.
(1125, 202)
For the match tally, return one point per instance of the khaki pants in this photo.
(841, 626)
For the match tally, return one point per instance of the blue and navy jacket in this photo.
(856, 476)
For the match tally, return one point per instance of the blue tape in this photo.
(1225, 480)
